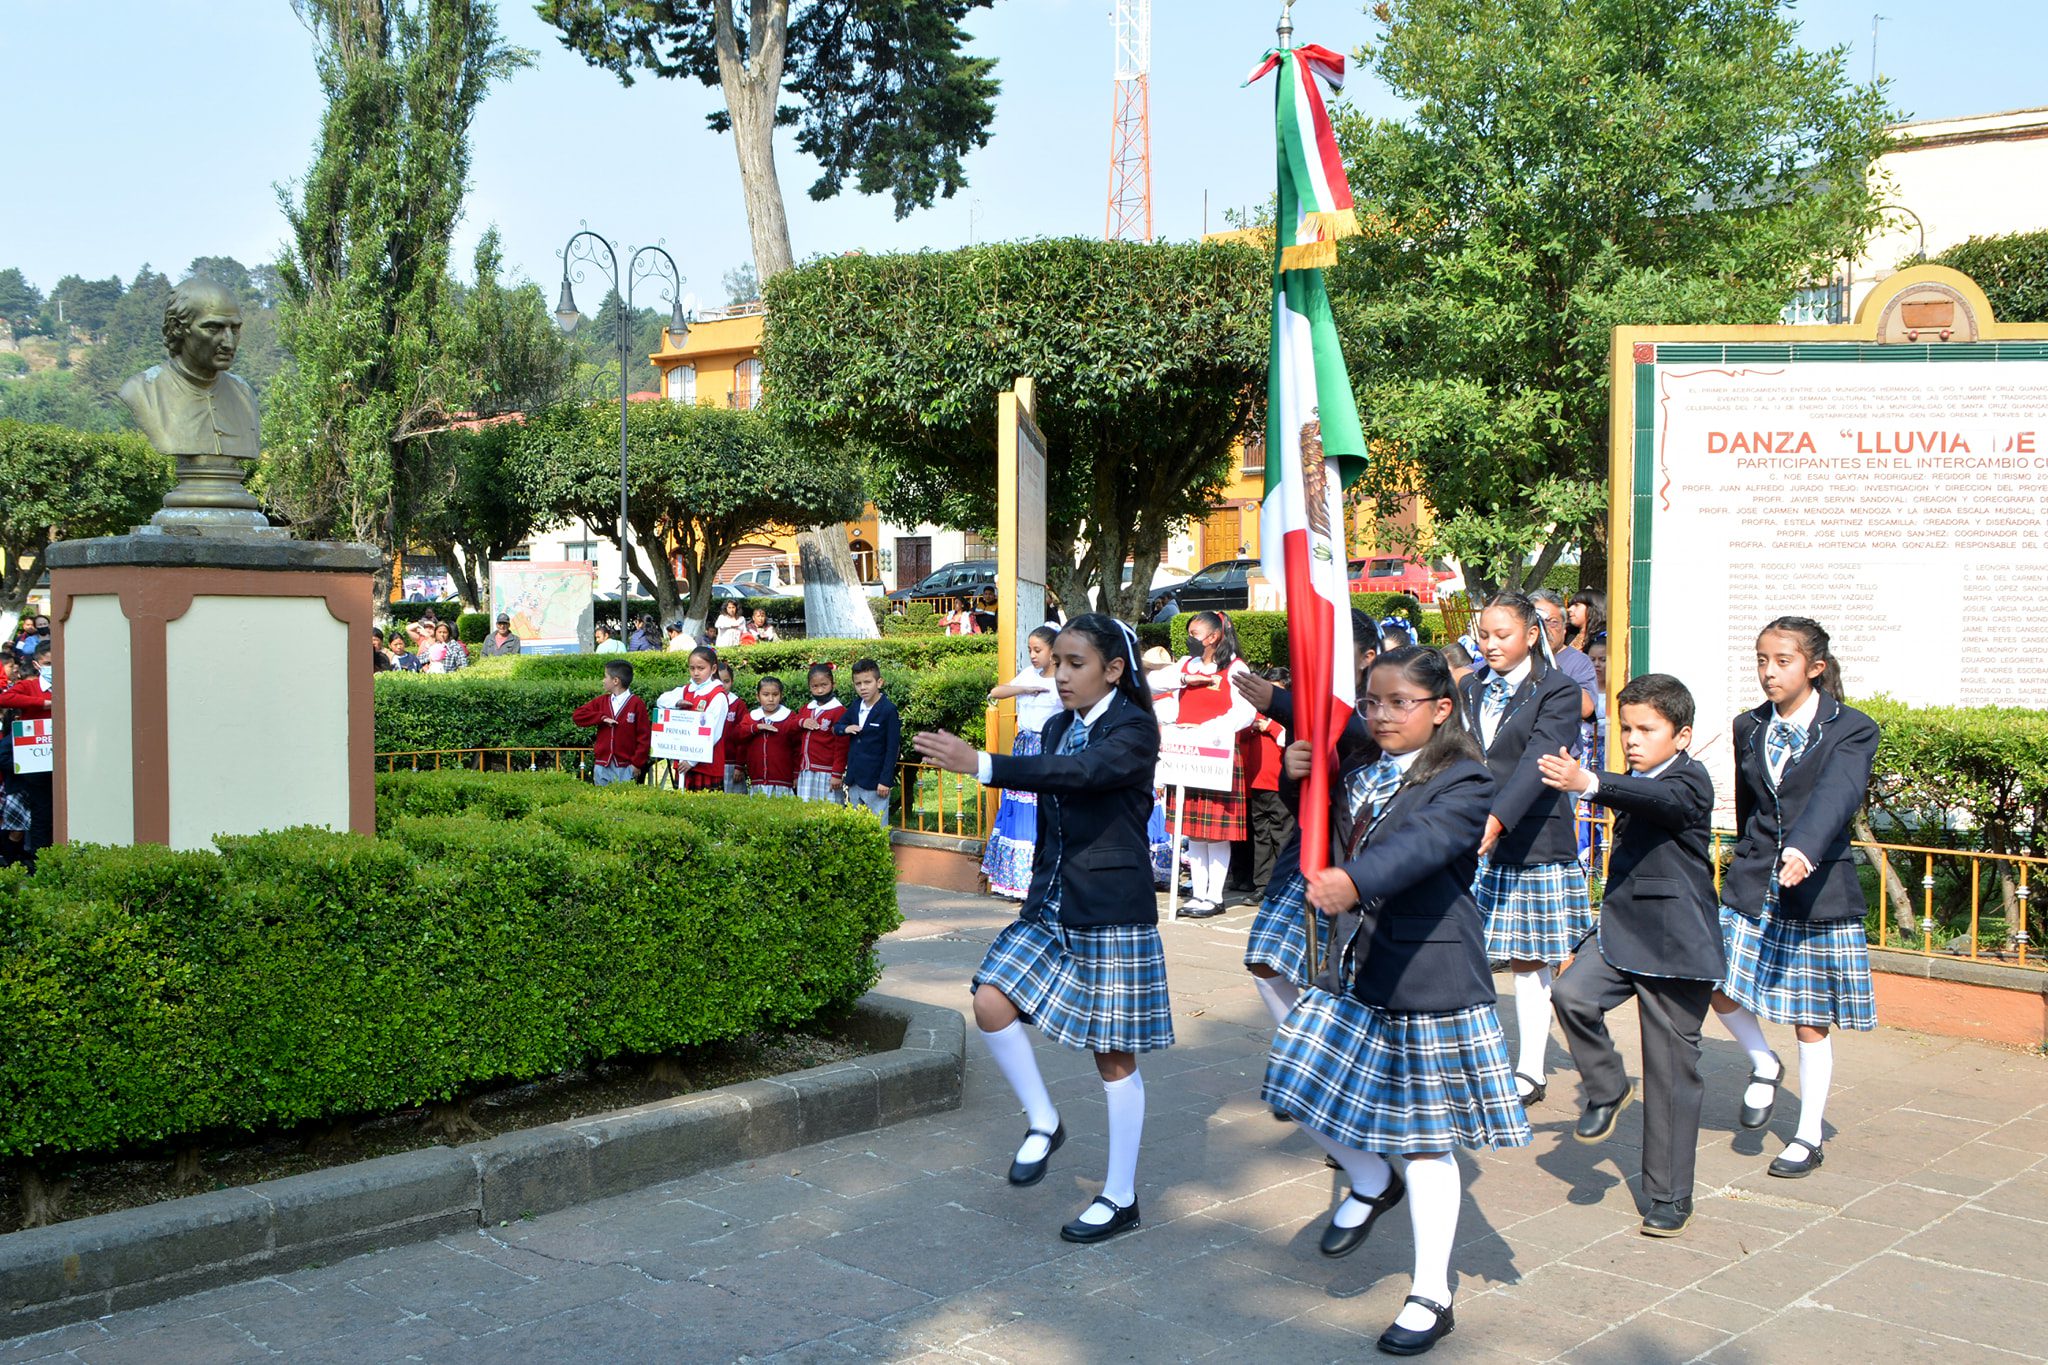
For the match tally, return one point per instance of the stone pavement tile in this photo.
(1306, 1339)
(2023, 1196)
(1651, 1338)
(1674, 1263)
(1187, 1296)
(1984, 1158)
(1567, 1226)
(1583, 1293)
(1829, 1189)
(291, 1324)
(2028, 1134)
(1158, 1245)
(1993, 1310)
(715, 1324)
(1763, 1210)
(1712, 1310)
(431, 1275)
(1528, 1329)
(1093, 1329)
(941, 1250)
(1971, 1236)
(54, 1343)
(1902, 1206)
(853, 1176)
(744, 1242)
(1771, 1279)
(573, 1286)
(1843, 1241)
(1730, 1231)
(1805, 1334)
(1306, 1201)
(195, 1341)
(828, 1286)
(415, 1339)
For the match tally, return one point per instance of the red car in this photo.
(1391, 573)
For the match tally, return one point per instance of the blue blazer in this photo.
(1418, 945)
(1354, 747)
(1659, 916)
(871, 754)
(1542, 717)
(1092, 812)
(1819, 793)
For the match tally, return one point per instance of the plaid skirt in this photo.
(1217, 817)
(1007, 855)
(704, 777)
(1101, 988)
(1389, 1082)
(736, 778)
(769, 789)
(1279, 934)
(1534, 912)
(1798, 972)
(816, 786)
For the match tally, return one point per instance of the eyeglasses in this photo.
(1402, 707)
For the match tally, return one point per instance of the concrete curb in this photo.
(79, 1270)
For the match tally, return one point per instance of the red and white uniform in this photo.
(623, 743)
(770, 755)
(822, 751)
(714, 699)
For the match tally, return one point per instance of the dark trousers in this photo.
(1671, 1012)
(1272, 826)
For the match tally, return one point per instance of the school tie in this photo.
(1496, 698)
(1076, 738)
(1073, 742)
(1784, 740)
(1371, 787)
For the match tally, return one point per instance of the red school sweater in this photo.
(821, 751)
(770, 755)
(624, 742)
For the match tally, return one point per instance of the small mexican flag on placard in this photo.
(35, 746)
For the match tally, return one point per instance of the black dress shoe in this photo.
(1537, 1090)
(1757, 1118)
(1121, 1219)
(1596, 1124)
(1031, 1172)
(1406, 1341)
(1793, 1168)
(1199, 910)
(1667, 1217)
(1343, 1241)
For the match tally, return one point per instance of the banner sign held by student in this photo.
(1185, 761)
(34, 746)
(686, 736)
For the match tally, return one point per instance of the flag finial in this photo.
(1285, 31)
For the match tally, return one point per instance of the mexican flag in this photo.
(1315, 447)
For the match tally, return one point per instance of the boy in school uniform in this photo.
(875, 734)
(624, 729)
(1658, 939)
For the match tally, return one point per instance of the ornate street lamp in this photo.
(582, 249)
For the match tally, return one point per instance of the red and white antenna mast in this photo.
(1130, 135)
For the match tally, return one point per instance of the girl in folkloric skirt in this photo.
(1006, 860)
(1208, 702)
(1083, 960)
(1791, 905)
(1397, 1050)
(1531, 887)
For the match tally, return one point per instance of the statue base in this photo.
(211, 682)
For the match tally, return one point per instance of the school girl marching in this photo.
(1397, 1050)
(1791, 905)
(1082, 962)
(1531, 887)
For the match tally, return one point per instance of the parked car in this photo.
(1392, 573)
(768, 580)
(1222, 586)
(962, 578)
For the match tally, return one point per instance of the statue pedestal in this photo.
(211, 684)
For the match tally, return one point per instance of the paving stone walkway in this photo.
(1925, 1237)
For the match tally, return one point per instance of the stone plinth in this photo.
(207, 685)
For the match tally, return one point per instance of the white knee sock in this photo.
(1532, 1022)
(1433, 1193)
(1743, 1027)
(1211, 860)
(1368, 1172)
(1126, 1100)
(1816, 1071)
(1279, 994)
(1011, 1047)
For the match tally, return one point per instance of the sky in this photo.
(154, 131)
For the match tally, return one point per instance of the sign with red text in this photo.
(1886, 479)
(686, 736)
(1188, 761)
(35, 746)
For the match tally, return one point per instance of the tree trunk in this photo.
(656, 573)
(17, 583)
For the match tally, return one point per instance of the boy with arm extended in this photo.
(623, 727)
(1658, 939)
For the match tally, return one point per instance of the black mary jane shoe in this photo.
(1537, 1090)
(1031, 1172)
(1122, 1218)
(1596, 1124)
(1757, 1118)
(1199, 910)
(1667, 1217)
(1343, 1241)
(1796, 1168)
(1406, 1341)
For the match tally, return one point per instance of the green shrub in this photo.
(498, 928)
(918, 618)
(405, 613)
(1262, 635)
(13, 362)
(2011, 269)
(472, 626)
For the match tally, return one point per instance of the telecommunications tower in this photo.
(1130, 134)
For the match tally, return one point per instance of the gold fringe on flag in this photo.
(1330, 226)
(1319, 255)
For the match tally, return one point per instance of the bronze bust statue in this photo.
(190, 407)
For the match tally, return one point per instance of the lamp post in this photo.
(582, 248)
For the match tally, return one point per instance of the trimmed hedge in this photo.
(498, 928)
(525, 700)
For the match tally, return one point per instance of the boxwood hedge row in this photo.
(498, 928)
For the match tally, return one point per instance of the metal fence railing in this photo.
(518, 758)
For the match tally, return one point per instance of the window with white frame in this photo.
(682, 384)
(746, 384)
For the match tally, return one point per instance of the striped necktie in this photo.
(1073, 742)
(1370, 788)
(1784, 740)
